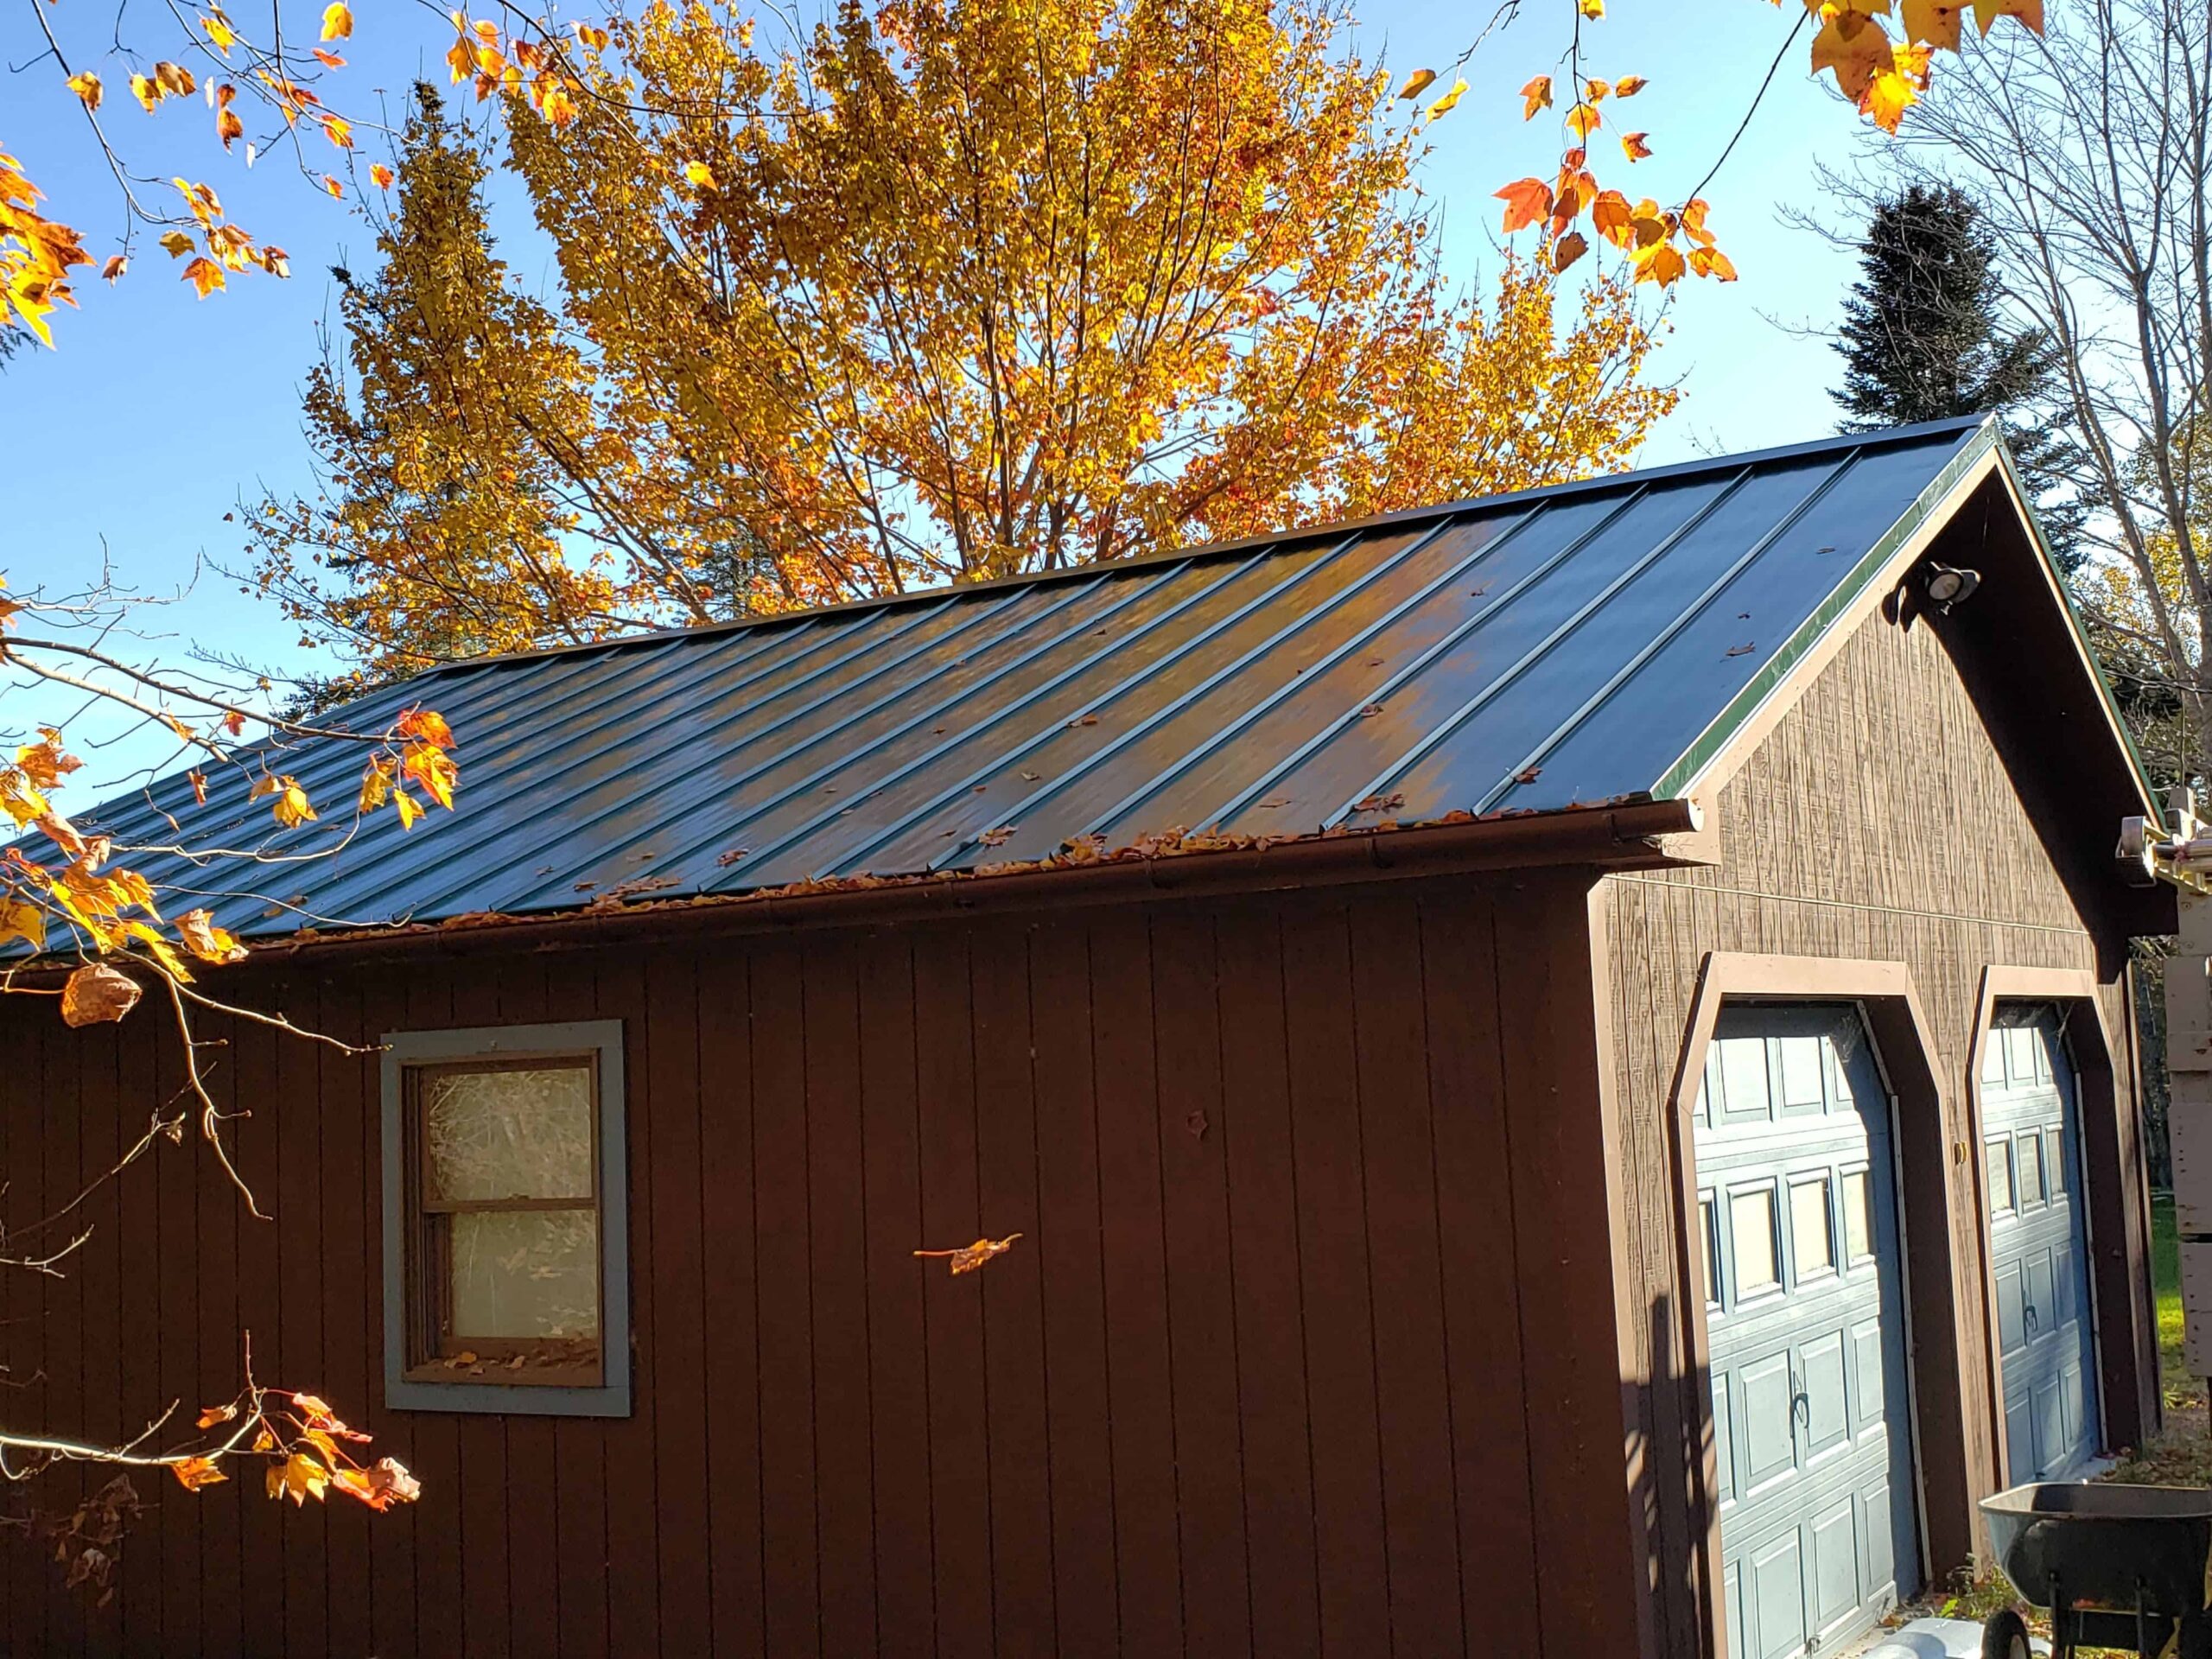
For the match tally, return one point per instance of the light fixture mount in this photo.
(1948, 585)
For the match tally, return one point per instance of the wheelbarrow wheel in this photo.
(2005, 1635)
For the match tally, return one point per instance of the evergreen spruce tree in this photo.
(1923, 339)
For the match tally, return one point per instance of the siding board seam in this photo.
(1105, 1314)
(1511, 1191)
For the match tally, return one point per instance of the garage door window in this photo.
(1758, 1252)
(1811, 1229)
(1858, 1217)
(2030, 1154)
(2057, 1162)
(2000, 1175)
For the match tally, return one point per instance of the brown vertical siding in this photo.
(1259, 1377)
(1878, 820)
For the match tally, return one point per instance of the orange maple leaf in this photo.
(970, 1258)
(1525, 201)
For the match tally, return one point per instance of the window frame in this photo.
(416, 1388)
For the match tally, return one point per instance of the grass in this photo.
(2165, 1279)
(2182, 1453)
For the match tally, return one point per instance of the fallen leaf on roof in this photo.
(586, 886)
(997, 837)
(1085, 719)
(1371, 711)
(1742, 651)
(1529, 776)
(970, 1258)
(1031, 776)
(621, 890)
(1269, 806)
(733, 856)
(1380, 804)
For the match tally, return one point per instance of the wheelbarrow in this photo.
(2119, 1567)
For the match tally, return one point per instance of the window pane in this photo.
(525, 1273)
(2032, 1169)
(1811, 1234)
(2000, 1175)
(1751, 1218)
(1858, 1216)
(2057, 1159)
(525, 1134)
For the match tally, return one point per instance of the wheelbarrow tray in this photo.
(2102, 1545)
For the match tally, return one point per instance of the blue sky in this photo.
(158, 411)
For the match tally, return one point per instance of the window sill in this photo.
(415, 1392)
(493, 1374)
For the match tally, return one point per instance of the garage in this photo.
(1807, 1325)
(2038, 1244)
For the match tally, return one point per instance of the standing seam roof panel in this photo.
(1581, 644)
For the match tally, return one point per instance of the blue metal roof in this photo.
(1589, 643)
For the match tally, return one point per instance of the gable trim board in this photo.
(1744, 725)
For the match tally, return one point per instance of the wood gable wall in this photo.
(1877, 820)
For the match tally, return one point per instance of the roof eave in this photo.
(1634, 836)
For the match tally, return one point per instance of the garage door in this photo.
(1810, 1400)
(2038, 1244)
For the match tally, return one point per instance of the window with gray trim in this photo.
(505, 1220)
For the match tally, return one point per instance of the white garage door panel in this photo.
(1807, 1329)
(2031, 1151)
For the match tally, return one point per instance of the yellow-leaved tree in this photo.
(95, 914)
(954, 290)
